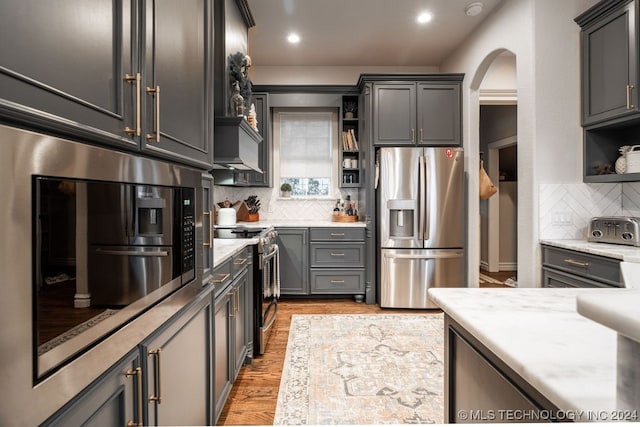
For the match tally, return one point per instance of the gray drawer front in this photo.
(337, 234)
(335, 255)
(589, 266)
(326, 281)
(240, 261)
(222, 276)
(558, 279)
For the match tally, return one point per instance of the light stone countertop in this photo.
(622, 252)
(302, 223)
(619, 311)
(538, 332)
(223, 249)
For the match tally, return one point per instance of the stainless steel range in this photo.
(266, 278)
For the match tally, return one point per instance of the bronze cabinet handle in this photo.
(158, 395)
(138, 373)
(129, 78)
(155, 92)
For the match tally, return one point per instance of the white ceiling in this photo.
(359, 32)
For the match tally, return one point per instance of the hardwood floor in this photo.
(254, 395)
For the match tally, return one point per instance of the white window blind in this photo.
(306, 141)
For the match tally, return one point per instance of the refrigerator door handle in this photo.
(426, 195)
(421, 197)
(432, 256)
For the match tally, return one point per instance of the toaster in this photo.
(619, 230)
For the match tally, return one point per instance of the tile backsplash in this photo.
(565, 209)
(274, 207)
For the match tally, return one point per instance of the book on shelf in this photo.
(349, 141)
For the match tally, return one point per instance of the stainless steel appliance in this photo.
(140, 237)
(266, 278)
(421, 223)
(619, 230)
(266, 289)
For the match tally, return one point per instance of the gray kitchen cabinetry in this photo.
(610, 92)
(481, 388)
(263, 117)
(177, 366)
(294, 261)
(111, 73)
(164, 381)
(423, 113)
(232, 324)
(562, 268)
(115, 399)
(609, 51)
(337, 261)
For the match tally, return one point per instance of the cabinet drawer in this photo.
(337, 234)
(558, 279)
(594, 267)
(221, 277)
(334, 255)
(240, 261)
(325, 281)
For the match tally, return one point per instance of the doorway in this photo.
(498, 148)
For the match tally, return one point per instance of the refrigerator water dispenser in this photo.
(402, 214)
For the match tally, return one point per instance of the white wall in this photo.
(545, 40)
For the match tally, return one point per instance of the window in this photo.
(306, 142)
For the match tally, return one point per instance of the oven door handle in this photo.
(131, 253)
(273, 306)
(267, 257)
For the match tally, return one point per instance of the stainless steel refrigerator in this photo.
(421, 223)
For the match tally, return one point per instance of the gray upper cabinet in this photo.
(256, 179)
(90, 71)
(609, 61)
(394, 119)
(422, 113)
(177, 87)
(439, 114)
(65, 67)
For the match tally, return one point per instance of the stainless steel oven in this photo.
(267, 289)
(85, 233)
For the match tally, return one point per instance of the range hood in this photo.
(236, 145)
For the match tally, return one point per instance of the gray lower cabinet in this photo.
(177, 363)
(425, 112)
(562, 268)
(111, 401)
(232, 324)
(112, 72)
(294, 261)
(481, 388)
(165, 381)
(337, 261)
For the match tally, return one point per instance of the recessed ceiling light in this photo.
(424, 17)
(473, 9)
(293, 38)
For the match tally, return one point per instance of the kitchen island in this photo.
(527, 350)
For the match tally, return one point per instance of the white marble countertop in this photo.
(538, 332)
(619, 311)
(302, 223)
(622, 252)
(223, 249)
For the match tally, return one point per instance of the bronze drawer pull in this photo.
(240, 261)
(337, 234)
(334, 254)
(221, 278)
(337, 281)
(577, 263)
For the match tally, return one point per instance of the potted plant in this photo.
(350, 108)
(286, 189)
(253, 205)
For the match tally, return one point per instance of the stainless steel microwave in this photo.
(100, 235)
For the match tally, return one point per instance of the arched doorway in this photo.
(496, 90)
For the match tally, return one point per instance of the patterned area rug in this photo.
(363, 369)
